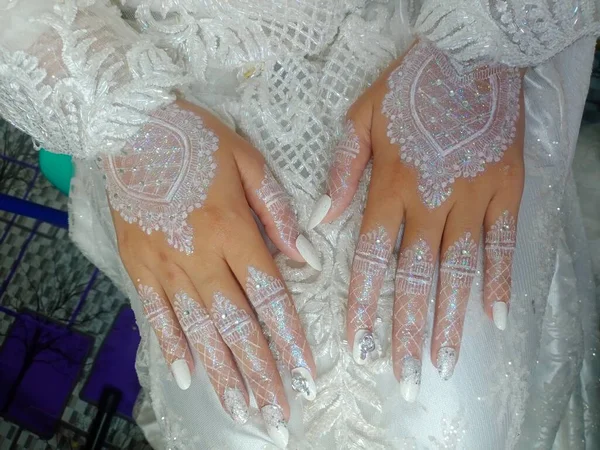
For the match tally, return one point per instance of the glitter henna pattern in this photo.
(276, 312)
(344, 154)
(368, 272)
(414, 277)
(161, 319)
(449, 125)
(500, 244)
(163, 174)
(204, 337)
(242, 336)
(456, 277)
(279, 205)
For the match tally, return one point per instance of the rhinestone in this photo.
(299, 384)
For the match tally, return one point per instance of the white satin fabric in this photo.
(283, 74)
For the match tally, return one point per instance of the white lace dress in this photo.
(82, 80)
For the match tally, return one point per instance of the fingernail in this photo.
(182, 374)
(236, 406)
(500, 314)
(319, 212)
(308, 252)
(303, 383)
(411, 379)
(364, 344)
(276, 425)
(446, 360)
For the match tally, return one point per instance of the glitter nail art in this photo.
(242, 336)
(414, 277)
(344, 154)
(411, 370)
(446, 361)
(204, 337)
(163, 174)
(368, 272)
(161, 319)
(279, 205)
(456, 277)
(500, 244)
(449, 125)
(276, 311)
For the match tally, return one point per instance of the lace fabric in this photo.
(283, 74)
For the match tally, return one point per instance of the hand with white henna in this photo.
(447, 151)
(182, 194)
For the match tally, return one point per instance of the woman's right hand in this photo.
(182, 195)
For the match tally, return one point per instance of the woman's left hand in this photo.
(447, 153)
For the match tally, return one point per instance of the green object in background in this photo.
(58, 169)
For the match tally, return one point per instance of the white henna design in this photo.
(414, 277)
(276, 312)
(500, 244)
(164, 174)
(449, 125)
(204, 337)
(170, 337)
(279, 205)
(456, 277)
(344, 154)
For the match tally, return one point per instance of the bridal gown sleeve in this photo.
(76, 77)
(518, 33)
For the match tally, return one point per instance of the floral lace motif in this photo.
(164, 174)
(449, 126)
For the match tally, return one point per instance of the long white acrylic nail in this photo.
(182, 374)
(411, 378)
(500, 314)
(276, 425)
(319, 212)
(308, 252)
(446, 360)
(364, 345)
(303, 383)
(236, 406)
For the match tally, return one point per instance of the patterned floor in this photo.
(40, 268)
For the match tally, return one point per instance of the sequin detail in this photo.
(456, 277)
(161, 319)
(368, 271)
(279, 205)
(344, 154)
(276, 312)
(204, 337)
(163, 174)
(242, 336)
(414, 277)
(500, 244)
(449, 125)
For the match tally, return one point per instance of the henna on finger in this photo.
(456, 277)
(281, 325)
(414, 278)
(368, 271)
(204, 337)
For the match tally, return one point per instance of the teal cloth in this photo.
(58, 169)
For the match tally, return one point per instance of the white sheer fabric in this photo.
(283, 74)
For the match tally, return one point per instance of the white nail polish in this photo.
(500, 314)
(236, 406)
(446, 360)
(411, 379)
(308, 252)
(276, 425)
(182, 374)
(364, 345)
(303, 383)
(319, 212)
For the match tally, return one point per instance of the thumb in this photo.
(273, 206)
(350, 157)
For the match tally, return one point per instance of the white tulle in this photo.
(283, 73)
